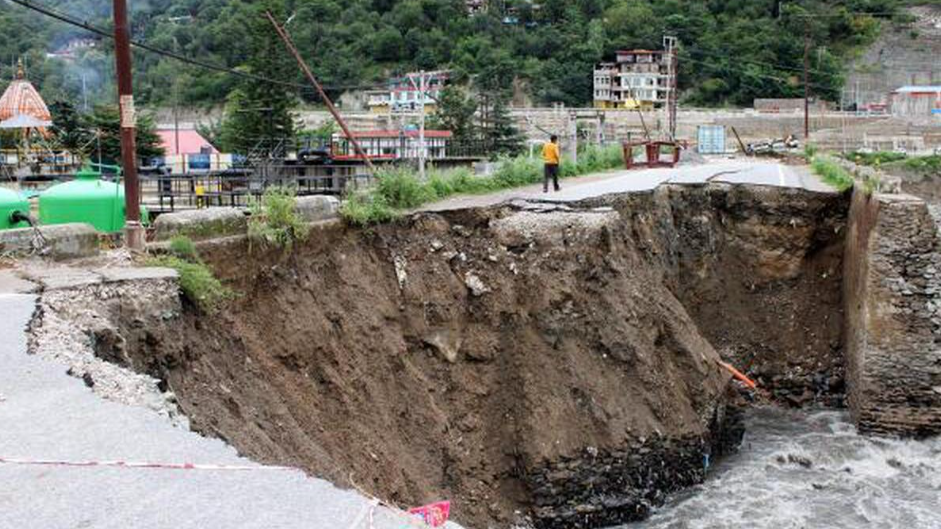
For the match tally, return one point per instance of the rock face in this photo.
(550, 366)
(893, 305)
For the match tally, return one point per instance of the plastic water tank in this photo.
(12, 202)
(87, 199)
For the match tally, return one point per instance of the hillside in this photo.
(733, 51)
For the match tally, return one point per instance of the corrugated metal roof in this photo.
(911, 89)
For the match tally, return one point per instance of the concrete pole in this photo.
(134, 231)
(421, 129)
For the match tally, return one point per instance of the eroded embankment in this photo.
(521, 361)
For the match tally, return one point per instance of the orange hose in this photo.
(738, 375)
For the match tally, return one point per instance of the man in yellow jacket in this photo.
(551, 158)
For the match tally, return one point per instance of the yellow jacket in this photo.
(550, 153)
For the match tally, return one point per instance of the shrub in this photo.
(924, 164)
(197, 282)
(364, 208)
(183, 247)
(402, 189)
(275, 220)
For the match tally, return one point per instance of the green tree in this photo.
(106, 121)
(260, 113)
(456, 113)
(499, 132)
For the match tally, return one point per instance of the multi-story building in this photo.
(394, 144)
(638, 79)
(404, 95)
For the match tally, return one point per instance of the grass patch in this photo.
(275, 219)
(198, 283)
(183, 247)
(399, 190)
(874, 159)
(924, 165)
(832, 173)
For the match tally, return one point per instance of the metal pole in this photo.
(421, 130)
(134, 232)
(807, 86)
(323, 95)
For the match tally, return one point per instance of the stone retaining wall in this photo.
(892, 297)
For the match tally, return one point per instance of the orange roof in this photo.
(21, 98)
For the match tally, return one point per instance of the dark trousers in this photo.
(552, 173)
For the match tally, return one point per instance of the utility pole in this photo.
(669, 44)
(134, 231)
(323, 95)
(421, 128)
(807, 85)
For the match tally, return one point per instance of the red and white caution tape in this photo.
(132, 464)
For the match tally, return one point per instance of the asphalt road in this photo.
(576, 189)
(46, 415)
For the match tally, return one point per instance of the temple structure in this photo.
(21, 106)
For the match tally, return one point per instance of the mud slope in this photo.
(519, 361)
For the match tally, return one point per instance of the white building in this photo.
(638, 78)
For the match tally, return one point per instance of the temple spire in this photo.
(20, 72)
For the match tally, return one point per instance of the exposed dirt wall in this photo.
(534, 361)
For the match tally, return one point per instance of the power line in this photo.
(62, 17)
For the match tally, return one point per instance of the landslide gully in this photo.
(534, 364)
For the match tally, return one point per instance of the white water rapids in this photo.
(810, 470)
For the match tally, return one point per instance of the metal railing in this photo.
(162, 193)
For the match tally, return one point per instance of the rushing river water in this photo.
(810, 470)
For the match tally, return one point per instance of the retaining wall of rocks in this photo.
(892, 298)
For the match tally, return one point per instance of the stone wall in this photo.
(892, 297)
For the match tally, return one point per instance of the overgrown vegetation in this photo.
(874, 158)
(274, 219)
(400, 190)
(197, 281)
(925, 165)
(732, 51)
(830, 171)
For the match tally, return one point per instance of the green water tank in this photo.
(87, 199)
(12, 202)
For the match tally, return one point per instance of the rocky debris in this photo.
(87, 325)
(602, 488)
(476, 285)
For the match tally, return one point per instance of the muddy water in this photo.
(810, 470)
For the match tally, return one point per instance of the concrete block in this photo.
(120, 275)
(62, 277)
(201, 224)
(318, 208)
(63, 241)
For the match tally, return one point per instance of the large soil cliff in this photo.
(526, 361)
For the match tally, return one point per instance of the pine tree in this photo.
(259, 114)
(500, 133)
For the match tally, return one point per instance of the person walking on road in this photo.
(551, 157)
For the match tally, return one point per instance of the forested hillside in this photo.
(733, 50)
